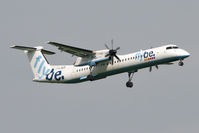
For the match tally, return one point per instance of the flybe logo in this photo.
(146, 56)
(149, 56)
(41, 72)
(44, 71)
(57, 75)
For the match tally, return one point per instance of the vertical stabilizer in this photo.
(38, 62)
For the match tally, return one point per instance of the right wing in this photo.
(73, 50)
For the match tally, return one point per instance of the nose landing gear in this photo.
(181, 63)
(129, 84)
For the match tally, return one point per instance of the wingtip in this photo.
(12, 46)
(49, 42)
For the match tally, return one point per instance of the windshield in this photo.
(172, 47)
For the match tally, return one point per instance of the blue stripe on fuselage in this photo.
(128, 69)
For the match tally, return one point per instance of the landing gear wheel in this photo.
(129, 84)
(181, 63)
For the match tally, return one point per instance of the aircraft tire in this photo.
(129, 84)
(181, 63)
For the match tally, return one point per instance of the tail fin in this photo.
(38, 62)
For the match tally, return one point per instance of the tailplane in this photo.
(38, 62)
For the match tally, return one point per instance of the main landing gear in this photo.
(129, 84)
(181, 63)
(90, 76)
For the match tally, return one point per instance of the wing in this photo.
(73, 50)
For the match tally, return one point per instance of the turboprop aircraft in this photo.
(94, 65)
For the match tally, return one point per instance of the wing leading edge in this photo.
(73, 50)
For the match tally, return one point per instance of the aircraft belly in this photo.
(103, 72)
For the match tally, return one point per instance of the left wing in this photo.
(73, 50)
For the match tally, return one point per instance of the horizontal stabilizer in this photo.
(33, 49)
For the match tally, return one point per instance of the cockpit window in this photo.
(169, 48)
(173, 47)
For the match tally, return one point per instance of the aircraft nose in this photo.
(186, 54)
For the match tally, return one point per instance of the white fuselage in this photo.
(129, 63)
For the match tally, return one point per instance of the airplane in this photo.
(95, 65)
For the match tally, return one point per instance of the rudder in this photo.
(39, 65)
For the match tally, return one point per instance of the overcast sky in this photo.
(163, 101)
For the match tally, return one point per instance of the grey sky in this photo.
(164, 101)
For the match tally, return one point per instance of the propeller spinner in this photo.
(112, 52)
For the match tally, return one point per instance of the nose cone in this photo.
(185, 54)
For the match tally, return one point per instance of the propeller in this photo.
(150, 68)
(112, 52)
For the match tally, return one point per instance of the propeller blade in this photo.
(112, 52)
(150, 69)
(112, 60)
(107, 55)
(117, 57)
(112, 43)
(106, 46)
(117, 48)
